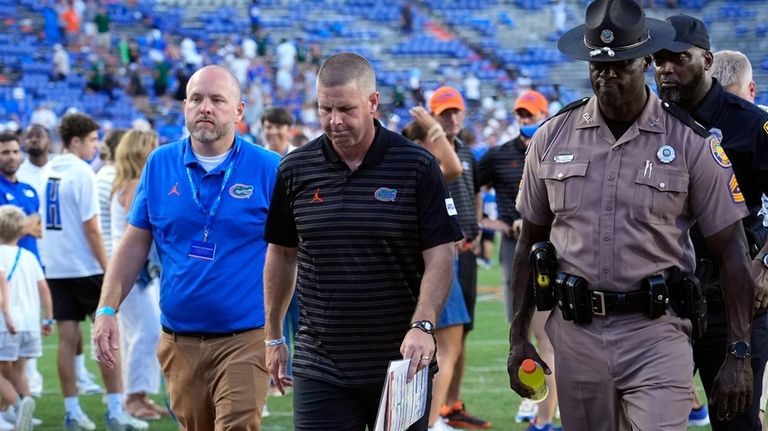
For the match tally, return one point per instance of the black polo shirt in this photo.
(360, 237)
(463, 190)
(501, 167)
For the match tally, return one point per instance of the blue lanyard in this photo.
(217, 202)
(15, 262)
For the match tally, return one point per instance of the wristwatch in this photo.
(424, 325)
(764, 260)
(739, 349)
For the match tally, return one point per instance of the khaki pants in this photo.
(216, 384)
(623, 372)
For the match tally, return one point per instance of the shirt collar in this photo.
(373, 157)
(709, 107)
(6, 180)
(649, 120)
(190, 159)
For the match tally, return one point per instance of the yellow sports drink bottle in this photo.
(531, 374)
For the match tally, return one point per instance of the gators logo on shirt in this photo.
(736, 194)
(385, 195)
(716, 148)
(241, 191)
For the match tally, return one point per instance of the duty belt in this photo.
(605, 303)
(578, 303)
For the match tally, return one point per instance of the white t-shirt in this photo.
(104, 180)
(24, 296)
(36, 176)
(72, 201)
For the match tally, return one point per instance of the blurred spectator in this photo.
(286, 55)
(102, 21)
(87, 13)
(249, 48)
(406, 19)
(192, 59)
(61, 67)
(51, 24)
(182, 77)
(161, 75)
(255, 14)
(137, 90)
(71, 22)
(472, 91)
(559, 16)
(238, 65)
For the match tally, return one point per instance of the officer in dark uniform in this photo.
(615, 182)
(740, 141)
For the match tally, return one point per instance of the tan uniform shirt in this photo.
(618, 212)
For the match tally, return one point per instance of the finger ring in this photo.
(426, 358)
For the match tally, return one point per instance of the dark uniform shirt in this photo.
(501, 167)
(742, 131)
(360, 237)
(463, 190)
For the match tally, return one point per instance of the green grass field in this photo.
(485, 391)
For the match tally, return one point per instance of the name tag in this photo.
(202, 250)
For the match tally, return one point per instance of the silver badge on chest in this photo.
(666, 154)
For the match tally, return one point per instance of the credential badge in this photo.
(666, 154)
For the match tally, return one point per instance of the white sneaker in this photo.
(35, 381)
(86, 384)
(24, 414)
(442, 425)
(265, 411)
(78, 422)
(125, 422)
(527, 411)
(9, 415)
(5, 425)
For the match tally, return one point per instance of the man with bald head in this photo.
(203, 200)
(370, 227)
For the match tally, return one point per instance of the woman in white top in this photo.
(139, 315)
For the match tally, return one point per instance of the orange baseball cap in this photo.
(533, 102)
(446, 98)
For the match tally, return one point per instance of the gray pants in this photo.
(623, 372)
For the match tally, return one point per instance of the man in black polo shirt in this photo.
(366, 215)
(501, 167)
(683, 76)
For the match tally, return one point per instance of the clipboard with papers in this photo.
(402, 403)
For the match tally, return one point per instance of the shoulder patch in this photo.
(765, 127)
(686, 118)
(735, 190)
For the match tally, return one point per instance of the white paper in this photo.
(402, 404)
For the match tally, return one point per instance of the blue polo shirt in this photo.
(227, 293)
(25, 197)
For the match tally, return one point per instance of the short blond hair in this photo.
(12, 221)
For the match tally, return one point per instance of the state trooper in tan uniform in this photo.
(615, 182)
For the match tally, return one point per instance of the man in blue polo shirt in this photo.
(204, 201)
(19, 194)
